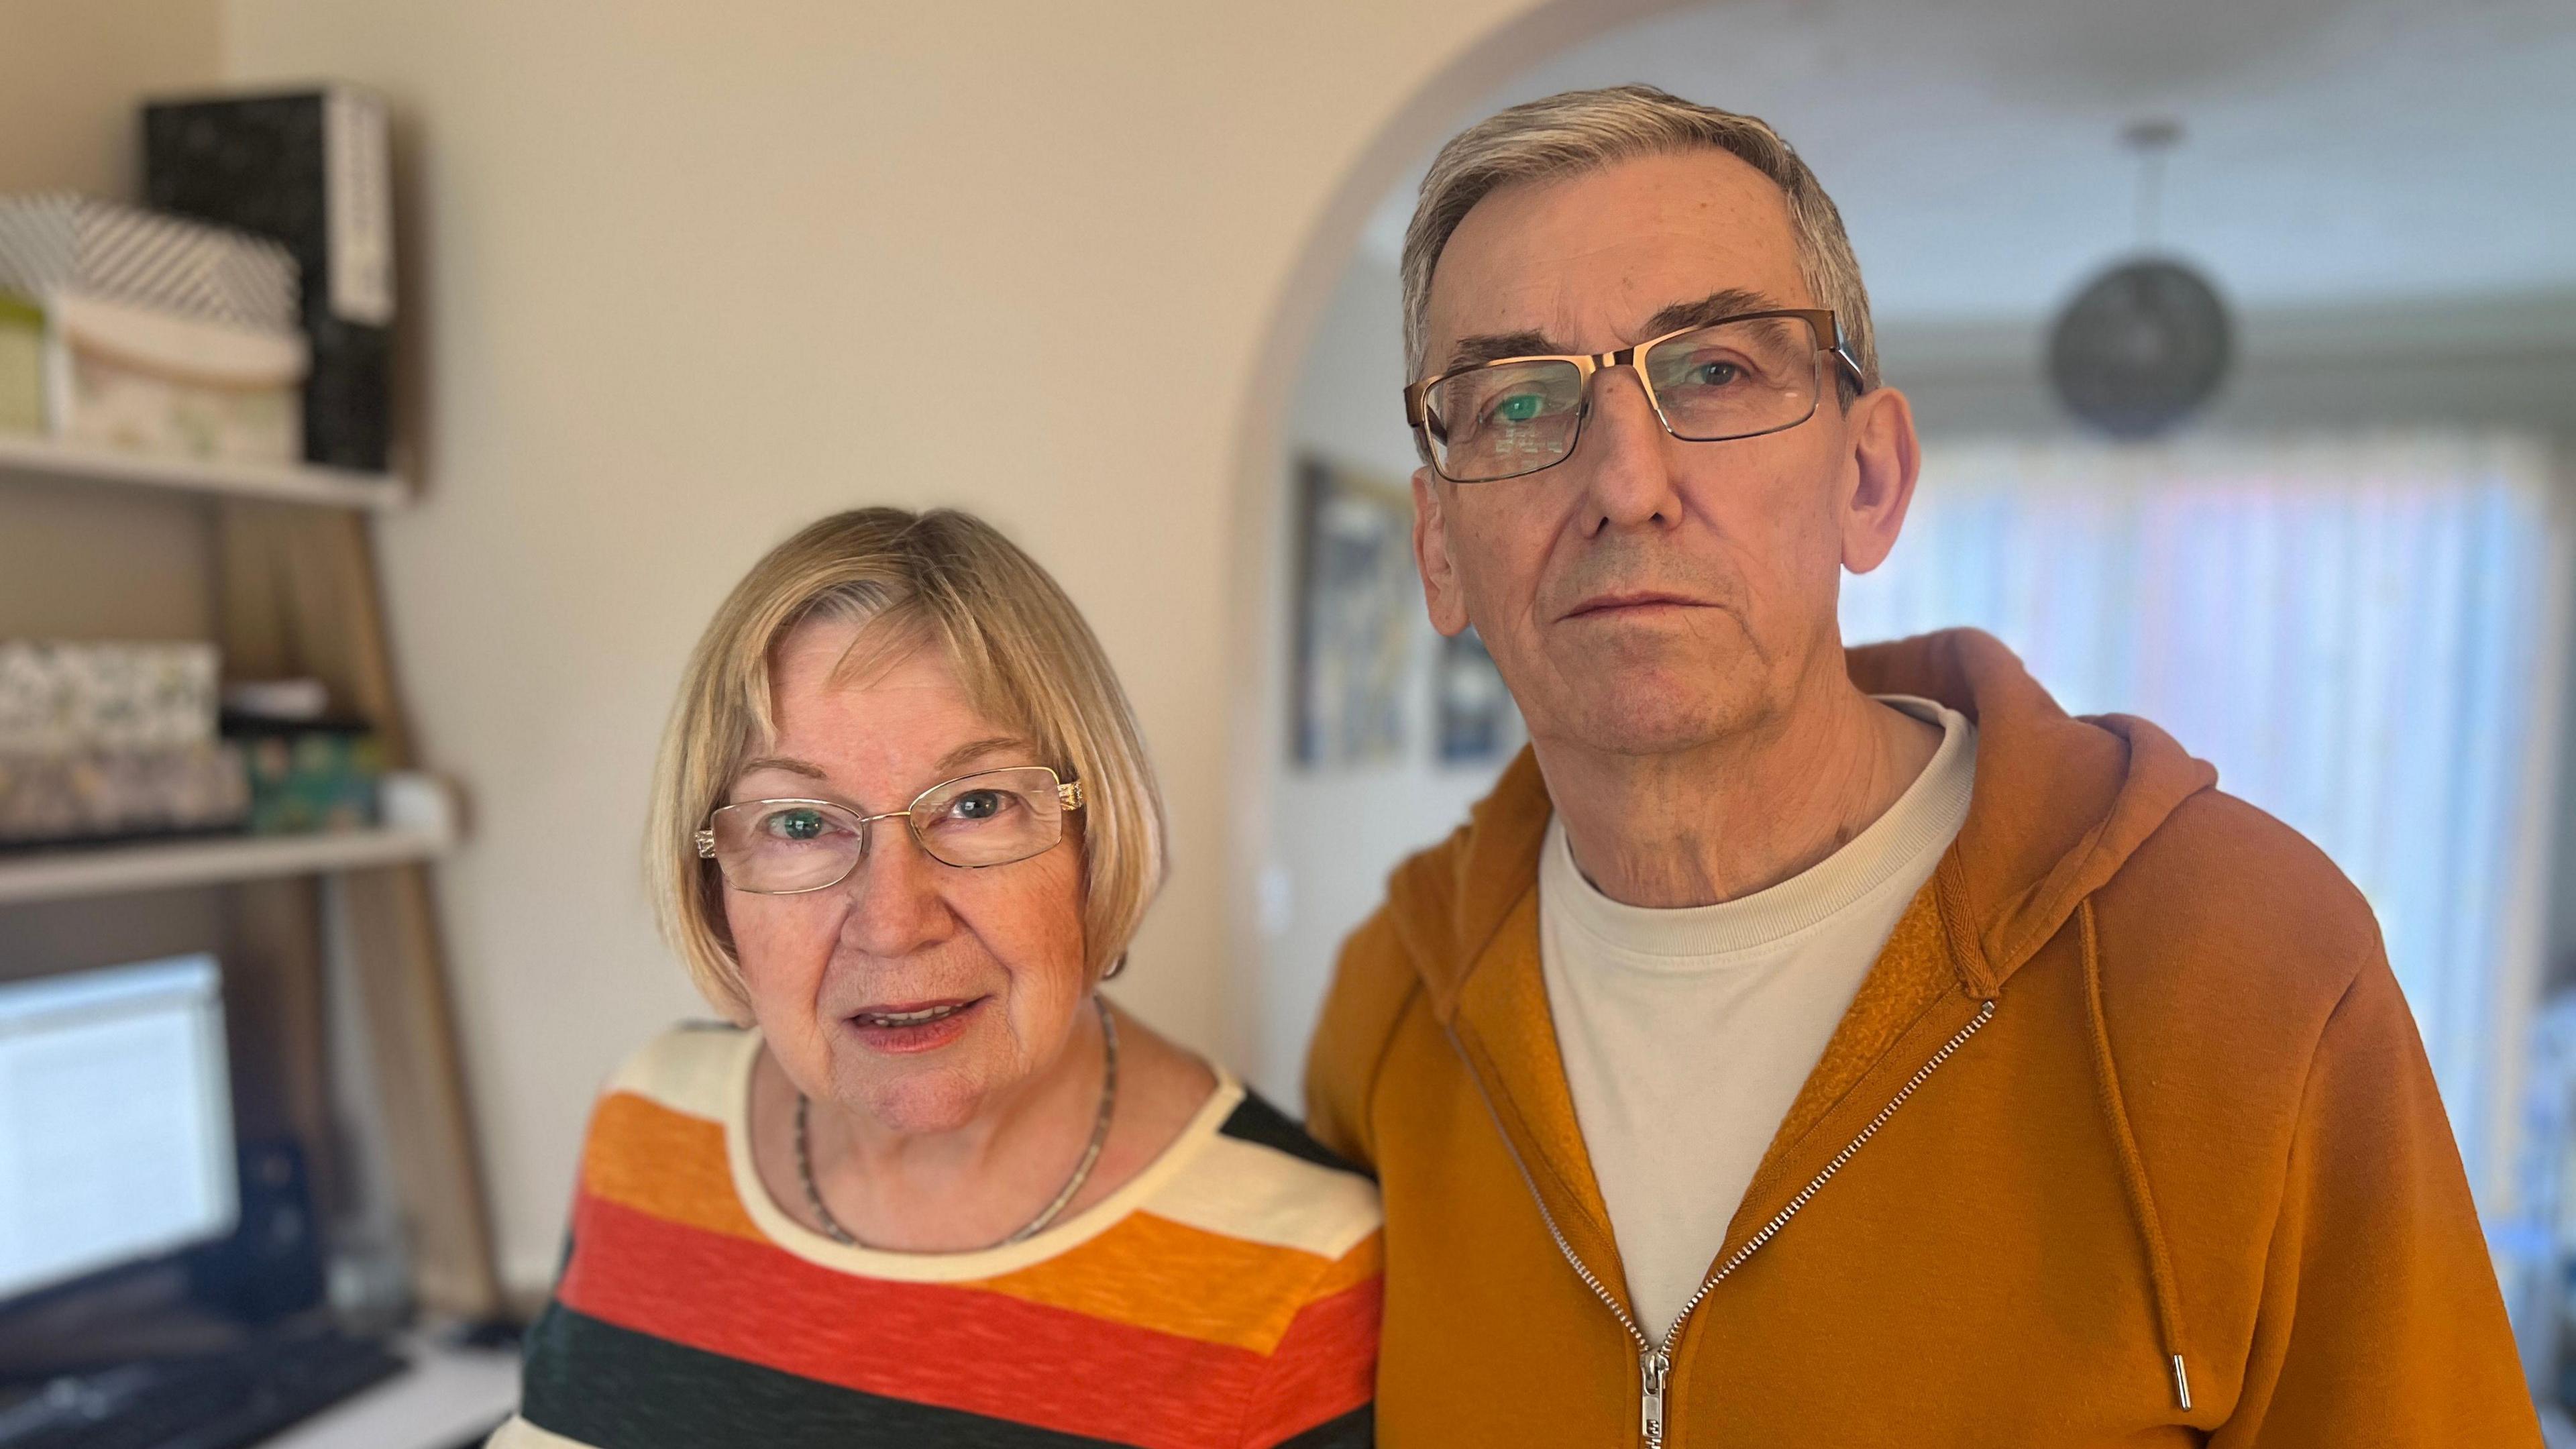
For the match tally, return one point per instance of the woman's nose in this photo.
(895, 905)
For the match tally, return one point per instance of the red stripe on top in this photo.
(1325, 1367)
(931, 1343)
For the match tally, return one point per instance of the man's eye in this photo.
(1519, 407)
(1712, 374)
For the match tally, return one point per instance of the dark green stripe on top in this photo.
(613, 1388)
(1255, 1120)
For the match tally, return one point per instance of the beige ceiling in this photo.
(2336, 151)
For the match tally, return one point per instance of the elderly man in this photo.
(1810, 1047)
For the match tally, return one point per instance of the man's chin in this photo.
(1627, 720)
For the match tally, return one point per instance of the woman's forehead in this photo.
(897, 722)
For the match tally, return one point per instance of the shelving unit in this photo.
(420, 820)
(43, 459)
(298, 596)
(419, 825)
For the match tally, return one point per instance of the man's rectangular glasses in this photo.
(1737, 377)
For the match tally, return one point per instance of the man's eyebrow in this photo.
(1495, 346)
(1715, 307)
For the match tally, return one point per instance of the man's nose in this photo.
(1627, 474)
(895, 905)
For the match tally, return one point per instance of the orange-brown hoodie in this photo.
(2127, 1139)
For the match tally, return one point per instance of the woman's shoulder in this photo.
(1260, 1177)
(694, 1068)
(669, 1107)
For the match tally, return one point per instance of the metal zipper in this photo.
(1655, 1360)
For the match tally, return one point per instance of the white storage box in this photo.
(157, 334)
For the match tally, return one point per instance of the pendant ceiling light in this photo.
(2146, 343)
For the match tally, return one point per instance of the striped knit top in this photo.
(1226, 1296)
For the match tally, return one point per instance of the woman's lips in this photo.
(913, 1026)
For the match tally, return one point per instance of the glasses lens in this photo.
(990, 819)
(1736, 379)
(776, 847)
(1505, 420)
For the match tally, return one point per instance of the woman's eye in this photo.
(979, 804)
(795, 824)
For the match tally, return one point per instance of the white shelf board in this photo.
(51, 875)
(420, 824)
(24, 456)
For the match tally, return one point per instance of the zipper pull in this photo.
(1652, 1365)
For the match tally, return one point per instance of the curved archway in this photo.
(1256, 703)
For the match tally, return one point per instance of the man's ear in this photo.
(1440, 592)
(1886, 458)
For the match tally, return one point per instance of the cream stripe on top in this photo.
(1204, 1179)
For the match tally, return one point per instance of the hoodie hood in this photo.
(2059, 804)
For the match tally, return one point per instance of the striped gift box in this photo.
(58, 243)
(150, 333)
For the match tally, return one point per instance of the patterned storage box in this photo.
(77, 699)
(158, 334)
(58, 799)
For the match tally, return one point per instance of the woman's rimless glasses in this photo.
(785, 847)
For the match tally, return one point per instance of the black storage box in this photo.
(310, 169)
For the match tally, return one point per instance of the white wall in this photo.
(1336, 831)
(680, 277)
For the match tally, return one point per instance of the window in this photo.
(2361, 634)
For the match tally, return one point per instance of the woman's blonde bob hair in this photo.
(1025, 658)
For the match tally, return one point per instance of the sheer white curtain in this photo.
(2361, 634)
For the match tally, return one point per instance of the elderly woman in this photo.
(932, 1189)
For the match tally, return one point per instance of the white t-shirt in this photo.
(1687, 1033)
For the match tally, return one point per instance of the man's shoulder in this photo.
(2227, 916)
(1377, 959)
(1376, 979)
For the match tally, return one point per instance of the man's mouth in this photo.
(1642, 599)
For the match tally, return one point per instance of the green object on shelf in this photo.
(312, 779)
(22, 365)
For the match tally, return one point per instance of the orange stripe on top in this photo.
(1359, 1265)
(668, 1164)
(1151, 1272)
(1325, 1367)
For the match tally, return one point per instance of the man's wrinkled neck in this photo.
(1740, 812)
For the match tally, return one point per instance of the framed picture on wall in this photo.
(1476, 720)
(1355, 603)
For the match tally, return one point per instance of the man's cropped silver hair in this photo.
(1577, 131)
